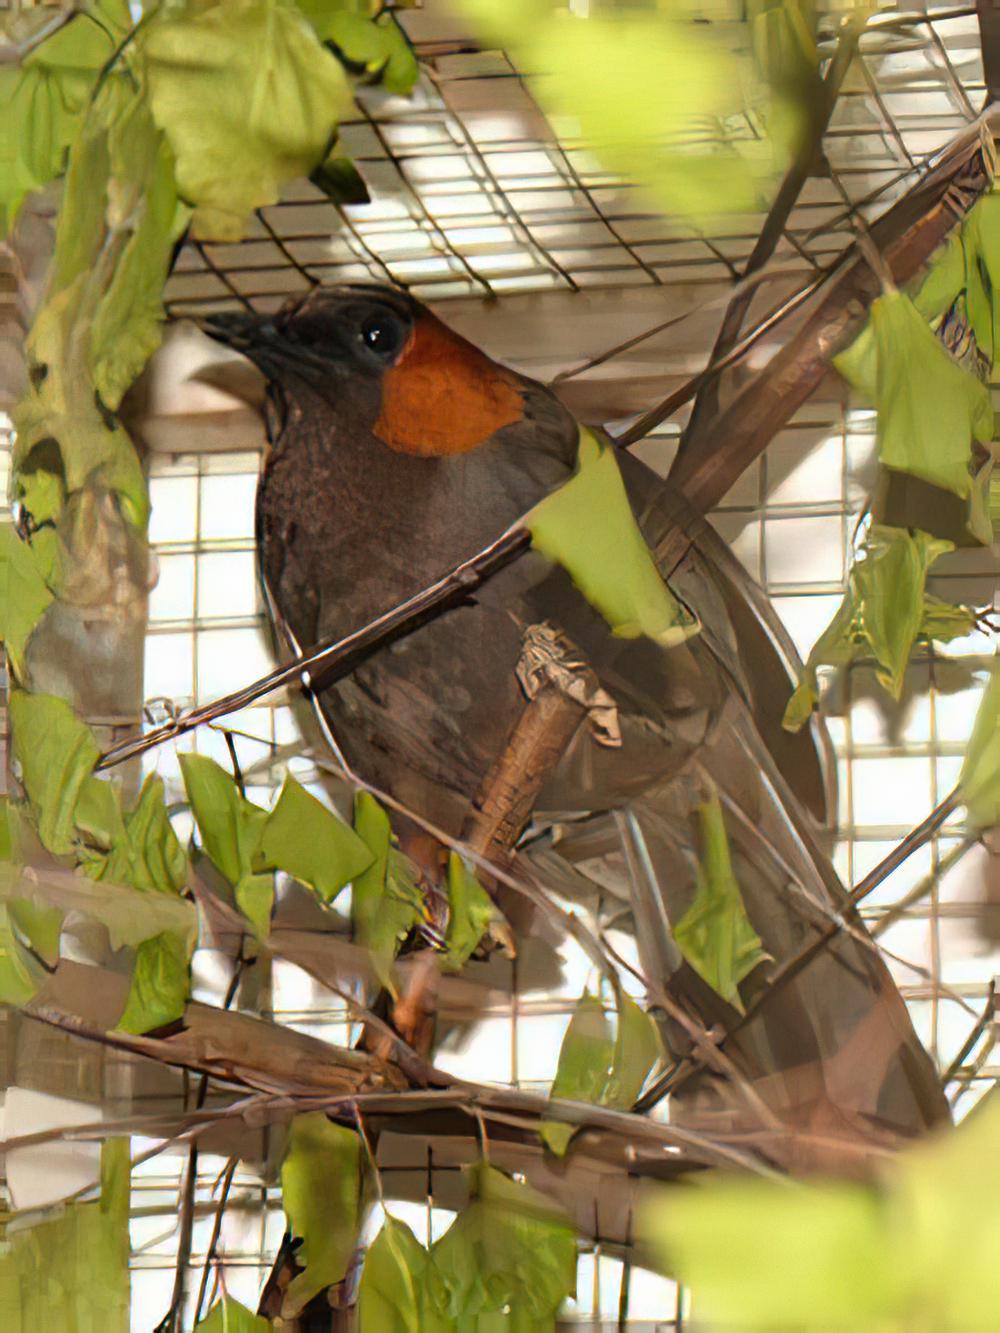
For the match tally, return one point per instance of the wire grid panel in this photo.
(473, 194)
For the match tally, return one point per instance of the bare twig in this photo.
(227, 1183)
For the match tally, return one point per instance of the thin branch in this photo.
(227, 1183)
(333, 659)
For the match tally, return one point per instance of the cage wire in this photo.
(474, 196)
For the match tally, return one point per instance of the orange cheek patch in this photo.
(443, 396)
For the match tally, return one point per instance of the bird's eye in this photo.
(382, 334)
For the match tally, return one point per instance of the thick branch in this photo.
(907, 235)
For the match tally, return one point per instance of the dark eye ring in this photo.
(382, 334)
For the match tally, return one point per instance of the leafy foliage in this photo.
(587, 526)
(247, 844)
(599, 1068)
(911, 1255)
(715, 934)
(321, 1190)
(56, 753)
(885, 610)
(72, 1272)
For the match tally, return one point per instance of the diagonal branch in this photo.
(707, 402)
(907, 235)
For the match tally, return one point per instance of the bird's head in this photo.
(427, 391)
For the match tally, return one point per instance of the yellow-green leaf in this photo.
(390, 1295)
(929, 408)
(594, 1067)
(56, 753)
(916, 1253)
(20, 974)
(230, 826)
(639, 89)
(71, 1271)
(587, 526)
(248, 98)
(584, 1067)
(304, 838)
(161, 983)
(470, 911)
(979, 782)
(886, 608)
(715, 934)
(24, 595)
(321, 1192)
(386, 901)
(229, 1316)
(509, 1250)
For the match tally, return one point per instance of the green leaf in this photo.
(595, 1068)
(584, 1067)
(148, 855)
(715, 934)
(231, 829)
(508, 1250)
(126, 329)
(77, 1261)
(40, 925)
(321, 1191)
(391, 1292)
(71, 1272)
(378, 45)
(20, 975)
(470, 911)
(161, 983)
(944, 280)
(229, 1316)
(56, 753)
(885, 610)
(587, 526)
(248, 98)
(386, 901)
(24, 596)
(929, 408)
(637, 1049)
(254, 895)
(889, 587)
(41, 104)
(769, 1256)
(304, 838)
(979, 782)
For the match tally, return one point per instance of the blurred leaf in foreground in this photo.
(643, 91)
(913, 1254)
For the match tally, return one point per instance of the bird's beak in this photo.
(242, 332)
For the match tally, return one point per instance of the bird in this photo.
(396, 450)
